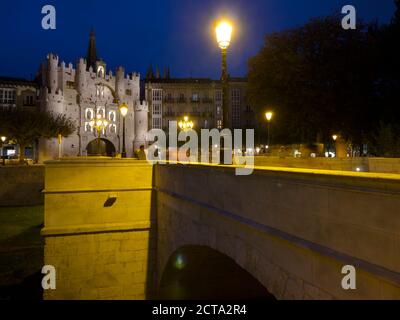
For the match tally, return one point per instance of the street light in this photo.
(224, 33)
(123, 109)
(334, 137)
(99, 124)
(185, 124)
(268, 116)
(3, 139)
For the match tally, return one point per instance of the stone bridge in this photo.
(112, 227)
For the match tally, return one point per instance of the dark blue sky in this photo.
(175, 33)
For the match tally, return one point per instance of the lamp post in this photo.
(99, 124)
(224, 33)
(334, 137)
(186, 125)
(123, 109)
(268, 116)
(3, 139)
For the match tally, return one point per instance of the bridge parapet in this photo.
(293, 229)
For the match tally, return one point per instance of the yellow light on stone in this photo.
(224, 33)
(334, 137)
(268, 115)
(3, 139)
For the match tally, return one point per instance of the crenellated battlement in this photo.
(52, 57)
(142, 106)
(51, 94)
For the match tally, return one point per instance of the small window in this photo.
(195, 97)
(28, 100)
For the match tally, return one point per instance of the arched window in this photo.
(89, 114)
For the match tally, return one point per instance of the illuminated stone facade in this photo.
(82, 93)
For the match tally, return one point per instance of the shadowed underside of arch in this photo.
(202, 273)
(103, 148)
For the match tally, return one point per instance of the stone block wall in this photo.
(113, 265)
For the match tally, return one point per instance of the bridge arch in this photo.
(196, 272)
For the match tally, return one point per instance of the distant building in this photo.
(198, 98)
(18, 93)
(84, 92)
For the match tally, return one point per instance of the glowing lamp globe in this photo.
(123, 109)
(224, 33)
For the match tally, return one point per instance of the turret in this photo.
(141, 123)
(80, 75)
(52, 63)
(120, 82)
(133, 84)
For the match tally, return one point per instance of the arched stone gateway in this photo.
(199, 273)
(104, 148)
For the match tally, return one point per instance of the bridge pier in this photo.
(99, 232)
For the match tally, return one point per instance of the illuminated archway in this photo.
(199, 272)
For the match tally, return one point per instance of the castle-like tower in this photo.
(83, 93)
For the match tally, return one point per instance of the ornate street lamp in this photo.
(268, 116)
(224, 34)
(99, 124)
(185, 124)
(123, 109)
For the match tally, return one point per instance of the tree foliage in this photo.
(321, 79)
(27, 126)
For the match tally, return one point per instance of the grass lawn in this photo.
(21, 252)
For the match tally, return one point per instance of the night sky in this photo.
(174, 33)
